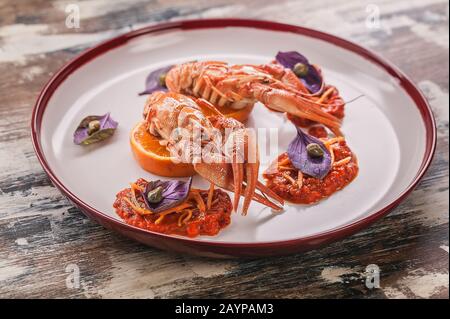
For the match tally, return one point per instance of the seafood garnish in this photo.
(305, 71)
(182, 117)
(201, 212)
(284, 178)
(156, 80)
(309, 155)
(94, 128)
(162, 195)
(237, 86)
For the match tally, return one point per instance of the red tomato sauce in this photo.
(208, 223)
(284, 181)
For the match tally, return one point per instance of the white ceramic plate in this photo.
(390, 129)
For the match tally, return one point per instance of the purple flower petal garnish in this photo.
(290, 58)
(317, 167)
(153, 83)
(106, 128)
(312, 80)
(173, 194)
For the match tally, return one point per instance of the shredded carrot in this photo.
(289, 178)
(161, 217)
(210, 195)
(325, 95)
(135, 187)
(300, 179)
(133, 196)
(331, 149)
(343, 161)
(182, 217)
(334, 140)
(138, 209)
(176, 209)
(188, 217)
(196, 196)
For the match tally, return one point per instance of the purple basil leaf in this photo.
(290, 59)
(317, 167)
(107, 128)
(152, 83)
(313, 80)
(174, 193)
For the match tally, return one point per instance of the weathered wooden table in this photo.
(44, 241)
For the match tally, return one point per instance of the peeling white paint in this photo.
(334, 274)
(435, 35)
(209, 268)
(130, 277)
(14, 162)
(445, 248)
(9, 271)
(393, 293)
(430, 207)
(21, 40)
(438, 98)
(30, 73)
(21, 241)
(419, 283)
(20, 206)
(12, 153)
(150, 274)
(97, 8)
(330, 16)
(425, 284)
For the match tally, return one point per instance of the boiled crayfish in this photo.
(238, 86)
(221, 149)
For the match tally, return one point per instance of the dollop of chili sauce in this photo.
(209, 222)
(285, 180)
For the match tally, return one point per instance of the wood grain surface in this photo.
(43, 238)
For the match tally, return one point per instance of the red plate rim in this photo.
(218, 248)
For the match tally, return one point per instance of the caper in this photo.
(155, 195)
(93, 126)
(300, 70)
(314, 150)
(162, 79)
